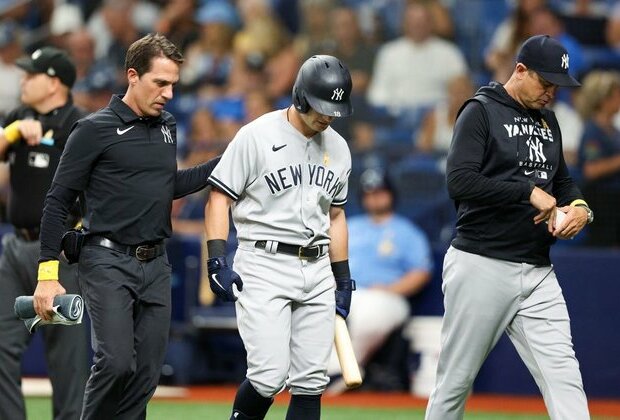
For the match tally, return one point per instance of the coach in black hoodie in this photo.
(514, 196)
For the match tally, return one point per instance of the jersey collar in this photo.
(125, 113)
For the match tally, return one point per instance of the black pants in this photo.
(129, 305)
(66, 346)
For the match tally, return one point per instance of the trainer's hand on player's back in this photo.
(222, 278)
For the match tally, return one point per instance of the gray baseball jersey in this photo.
(283, 183)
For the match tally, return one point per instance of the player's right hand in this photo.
(222, 278)
(44, 296)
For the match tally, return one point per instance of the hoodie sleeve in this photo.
(465, 161)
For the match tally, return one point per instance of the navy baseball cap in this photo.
(548, 58)
(52, 61)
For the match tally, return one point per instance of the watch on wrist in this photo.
(589, 212)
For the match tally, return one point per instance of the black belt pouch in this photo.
(72, 242)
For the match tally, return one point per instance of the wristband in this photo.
(216, 248)
(12, 133)
(341, 269)
(578, 202)
(48, 270)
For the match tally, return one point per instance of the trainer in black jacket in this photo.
(123, 159)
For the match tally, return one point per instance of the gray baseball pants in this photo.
(483, 297)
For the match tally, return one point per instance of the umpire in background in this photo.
(32, 141)
(123, 160)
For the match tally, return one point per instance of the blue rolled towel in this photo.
(68, 310)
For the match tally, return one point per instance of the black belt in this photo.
(142, 252)
(26, 234)
(310, 252)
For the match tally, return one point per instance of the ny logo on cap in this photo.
(337, 94)
(565, 61)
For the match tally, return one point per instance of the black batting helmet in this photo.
(323, 84)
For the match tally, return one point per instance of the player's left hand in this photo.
(222, 278)
(344, 290)
(44, 296)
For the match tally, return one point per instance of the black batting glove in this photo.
(222, 278)
(344, 289)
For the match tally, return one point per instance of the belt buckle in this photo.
(142, 253)
(299, 250)
(310, 257)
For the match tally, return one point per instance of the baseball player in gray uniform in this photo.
(285, 176)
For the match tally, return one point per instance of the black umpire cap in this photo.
(51, 61)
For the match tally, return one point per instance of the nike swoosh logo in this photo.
(217, 282)
(121, 132)
(276, 148)
(528, 172)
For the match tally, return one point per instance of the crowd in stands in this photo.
(413, 63)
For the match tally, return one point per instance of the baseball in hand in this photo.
(559, 218)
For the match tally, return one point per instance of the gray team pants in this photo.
(285, 316)
(129, 305)
(66, 347)
(483, 297)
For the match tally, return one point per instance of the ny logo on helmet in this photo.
(337, 94)
(565, 61)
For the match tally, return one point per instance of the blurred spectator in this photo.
(265, 46)
(208, 61)
(65, 19)
(612, 31)
(586, 20)
(10, 74)
(314, 37)
(390, 260)
(358, 55)
(256, 103)
(205, 140)
(30, 15)
(382, 20)
(435, 133)
(440, 16)
(509, 35)
(598, 102)
(584, 7)
(187, 214)
(351, 48)
(95, 78)
(414, 70)
(176, 21)
(114, 28)
(572, 128)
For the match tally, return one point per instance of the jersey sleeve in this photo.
(340, 199)
(80, 154)
(237, 167)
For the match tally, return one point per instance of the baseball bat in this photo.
(346, 356)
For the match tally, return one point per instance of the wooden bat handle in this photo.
(346, 356)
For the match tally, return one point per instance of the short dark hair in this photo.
(142, 51)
